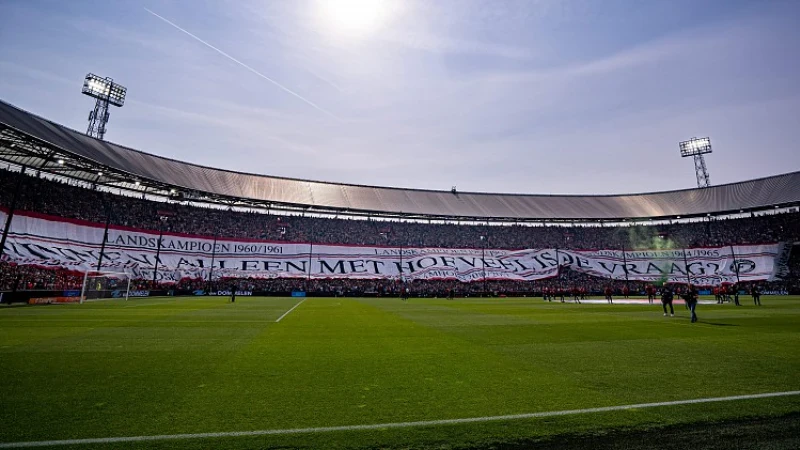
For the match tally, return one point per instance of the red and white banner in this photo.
(53, 242)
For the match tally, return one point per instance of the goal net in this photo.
(105, 285)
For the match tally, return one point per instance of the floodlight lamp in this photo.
(695, 146)
(60, 162)
(99, 174)
(104, 89)
(137, 183)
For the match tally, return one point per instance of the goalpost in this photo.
(105, 285)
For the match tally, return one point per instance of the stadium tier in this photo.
(56, 237)
(77, 209)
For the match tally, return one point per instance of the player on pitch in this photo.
(666, 299)
(690, 297)
(756, 295)
(651, 293)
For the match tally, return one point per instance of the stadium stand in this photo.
(69, 201)
(62, 199)
(72, 176)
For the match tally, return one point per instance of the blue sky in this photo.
(535, 96)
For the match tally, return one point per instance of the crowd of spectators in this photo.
(69, 201)
(29, 278)
(78, 202)
(17, 277)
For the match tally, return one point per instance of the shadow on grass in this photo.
(754, 433)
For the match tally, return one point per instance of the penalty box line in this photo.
(382, 426)
(286, 313)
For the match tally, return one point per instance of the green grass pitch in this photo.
(195, 365)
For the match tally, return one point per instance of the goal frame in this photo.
(102, 273)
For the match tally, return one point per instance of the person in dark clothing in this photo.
(651, 293)
(233, 293)
(690, 297)
(756, 296)
(735, 291)
(666, 299)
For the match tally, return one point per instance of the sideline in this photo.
(379, 426)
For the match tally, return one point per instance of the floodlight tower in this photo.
(697, 147)
(107, 93)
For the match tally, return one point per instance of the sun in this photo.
(354, 17)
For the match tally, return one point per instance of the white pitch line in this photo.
(286, 313)
(380, 426)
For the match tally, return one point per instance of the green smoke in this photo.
(648, 238)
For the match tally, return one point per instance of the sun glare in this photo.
(354, 17)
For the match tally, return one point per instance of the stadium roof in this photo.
(29, 140)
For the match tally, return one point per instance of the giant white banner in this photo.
(53, 242)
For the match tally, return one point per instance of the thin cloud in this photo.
(443, 44)
(246, 123)
(279, 85)
(36, 73)
(514, 111)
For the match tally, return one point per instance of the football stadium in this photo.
(155, 303)
(265, 251)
